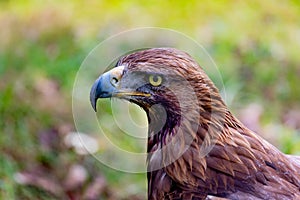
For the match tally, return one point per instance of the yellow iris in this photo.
(155, 80)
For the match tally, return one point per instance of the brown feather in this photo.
(241, 165)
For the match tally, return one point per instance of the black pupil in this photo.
(155, 78)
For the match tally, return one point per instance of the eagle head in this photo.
(165, 77)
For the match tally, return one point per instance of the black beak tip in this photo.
(94, 96)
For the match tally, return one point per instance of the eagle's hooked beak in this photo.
(106, 85)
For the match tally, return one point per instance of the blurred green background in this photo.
(255, 44)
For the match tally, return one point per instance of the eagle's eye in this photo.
(155, 80)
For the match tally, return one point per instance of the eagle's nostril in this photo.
(114, 81)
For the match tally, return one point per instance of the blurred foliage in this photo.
(42, 44)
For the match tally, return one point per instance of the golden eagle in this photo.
(196, 147)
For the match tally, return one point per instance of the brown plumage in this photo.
(196, 146)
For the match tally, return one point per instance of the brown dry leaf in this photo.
(95, 189)
(76, 177)
(82, 143)
(39, 181)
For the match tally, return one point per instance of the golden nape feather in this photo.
(196, 148)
